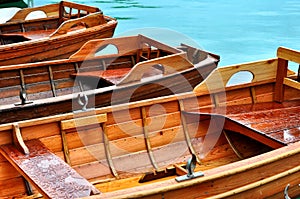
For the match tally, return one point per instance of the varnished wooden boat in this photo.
(59, 32)
(140, 68)
(244, 140)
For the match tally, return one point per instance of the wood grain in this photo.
(39, 168)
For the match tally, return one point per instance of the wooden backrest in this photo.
(66, 9)
(218, 79)
(171, 64)
(130, 45)
(284, 56)
(49, 10)
(63, 10)
(288, 54)
(123, 45)
(156, 44)
(88, 21)
(270, 70)
(70, 10)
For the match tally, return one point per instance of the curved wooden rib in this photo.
(22, 80)
(235, 150)
(18, 140)
(186, 133)
(51, 81)
(253, 94)
(78, 71)
(146, 137)
(107, 151)
(65, 147)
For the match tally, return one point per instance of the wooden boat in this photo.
(219, 141)
(140, 68)
(61, 31)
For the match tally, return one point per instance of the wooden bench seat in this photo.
(274, 124)
(47, 172)
(112, 76)
(279, 121)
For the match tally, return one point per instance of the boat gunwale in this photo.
(215, 173)
(237, 167)
(118, 107)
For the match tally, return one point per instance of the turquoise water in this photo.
(238, 30)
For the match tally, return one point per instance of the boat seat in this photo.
(111, 76)
(47, 172)
(278, 121)
(274, 124)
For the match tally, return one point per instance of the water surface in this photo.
(238, 30)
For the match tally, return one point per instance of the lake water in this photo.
(238, 30)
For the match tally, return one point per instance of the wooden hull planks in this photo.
(52, 87)
(223, 126)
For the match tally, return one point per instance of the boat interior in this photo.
(149, 143)
(50, 21)
(98, 64)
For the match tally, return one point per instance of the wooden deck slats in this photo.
(47, 172)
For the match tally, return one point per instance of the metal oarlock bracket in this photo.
(23, 97)
(190, 167)
(83, 101)
(286, 194)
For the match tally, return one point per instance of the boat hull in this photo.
(61, 47)
(174, 84)
(56, 35)
(243, 141)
